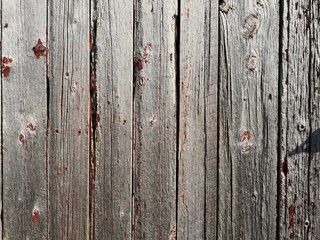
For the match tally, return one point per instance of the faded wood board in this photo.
(197, 187)
(248, 102)
(112, 85)
(69, 119)
(313, 17)
(300, 122)
(24, 120)
(155, 128)
(1, 134)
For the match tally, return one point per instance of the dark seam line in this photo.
(218, 124)
(48, 119)
(310, 114)
(280, 81)
(93, 111)
(132, 219)
(177, 63)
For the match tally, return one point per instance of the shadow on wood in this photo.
(310, 145)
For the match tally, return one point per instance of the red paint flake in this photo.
(35, 216)
(6, 60)
(5, 69)
(79, 132)
(292, 212)
(39, 49)
(124, 122)
(31, 127)
(171, 57)
(97, 118)
(21, 138)
(284, 166)
(90, 41)
(246, 136)
(138, 64)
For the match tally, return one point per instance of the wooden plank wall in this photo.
(162, 119)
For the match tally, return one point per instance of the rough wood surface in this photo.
(300, 122)
(24, 121)
(155, 120)
(197, 188)
(69, 115)
(248, 121)
(112, 29)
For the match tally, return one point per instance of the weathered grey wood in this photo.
(24, 120)
(112, 28)
(249, 49)
(300, 122)
(155, 120)
(197, 197)
(69, 119)
(314, 180)
(1, 145)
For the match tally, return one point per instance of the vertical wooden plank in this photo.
(300, 138)
(112, 29)
(248, 121)
(1, 133)
(314, 180)
(69, 100)
(198, 120)
(155, 120)
(24, 120)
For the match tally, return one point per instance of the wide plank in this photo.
(69, 119)
(112, 93)
(197, 187)
(155, 126)
(300, 122)
(24, 120)
(248, 103)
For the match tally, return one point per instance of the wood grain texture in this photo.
(300, 125)
(197, 197)
(69, 99)
(1, 133)
(24, 120)
(155, 120)
(248, 121)
(113, 77)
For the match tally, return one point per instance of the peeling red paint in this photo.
(284, 166)
(35, 216)
(292, 212)
(31, 127)
(250, 24)
(246, 136)
(138, 64)
(5, 66)
(171, 57)
(21, 138)
(39, 49)
(79, 132)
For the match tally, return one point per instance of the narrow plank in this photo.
(299, 168)
(197, 200)
(112, 27)
(314, 179)
(248, 121)
(1, 134)
(69, 119)
(24, 123)
(155, 120)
